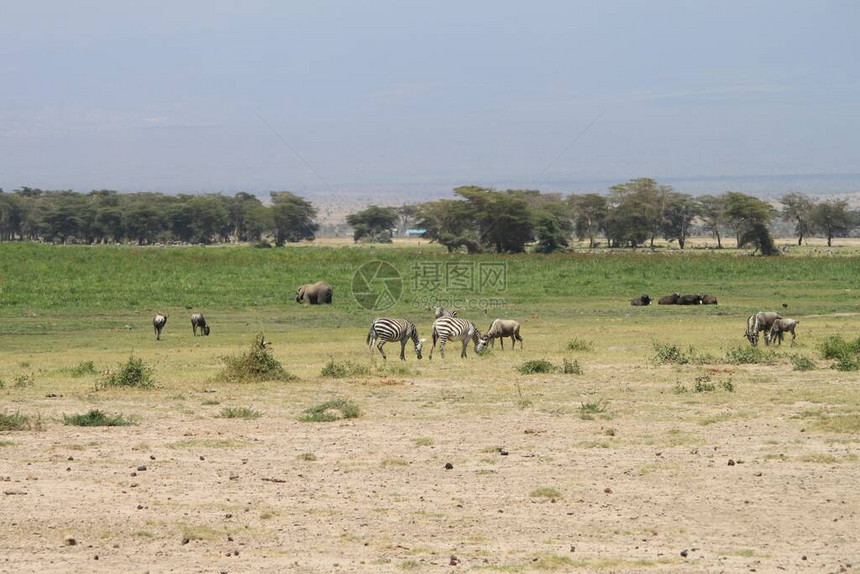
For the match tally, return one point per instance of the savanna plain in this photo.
(618, 439)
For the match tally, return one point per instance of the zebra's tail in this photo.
(371, 335)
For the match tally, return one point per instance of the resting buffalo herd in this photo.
(675, 299)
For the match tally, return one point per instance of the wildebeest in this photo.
(690, 299)
(499, 329)
(440, 312)
(669, 299)
(315, 293)
(455, 329)
(199, 321)
(709, 300)
(385, 330)
(158, 323)
(761, 321)
(781, 326)
(641, 301)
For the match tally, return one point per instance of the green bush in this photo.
(748, 355)
(17, 422)
(670, 354)
(578, 344)
(802, 363)
(96, 418)
(847, 364)
(835, 347)
(239, 413)
(536, 366)
(703, 384)
(342, 369)
(331, 411)
(83, 368)
(133, 373)
(255, 365)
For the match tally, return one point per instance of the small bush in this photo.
(96, 418)
(24, 381)
(835, 347)
(747, 355)
(133, 373)
(18, 422)
(331, 411)
(670, 354)
(846, 364)
(342, 369)
(307, 457)
(727, 385)
(703, 384)
(578, 344)
(593, 408)
(536, 366)
(802, 363)
(82, 369)
(571, 368)
(256, 365)
(239, 413)
(680, 389)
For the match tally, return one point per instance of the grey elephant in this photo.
(315, 294)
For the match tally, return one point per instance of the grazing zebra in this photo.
(158, 323)
(198, 320)
(385, 330)
(455, 329)
(440, 312)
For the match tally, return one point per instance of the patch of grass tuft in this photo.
(536, 366)
(18, 422)
(239, 413)
(846, 424)
(83, 369)
(96, 418)
(134, 373)
(424, 441)
(341, 369)
(578, 344)
(307, 457)
(24, 381)
(571, 367)
(748, 355)
(331, 411)
(257, 364)
(802, 363)
(545, 492)
(594, 407)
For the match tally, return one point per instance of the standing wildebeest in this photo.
(761, 321)
(199, 321)
(641, 301)
(158, 323)
(690, 299)
(709, 300)
(440, 312)
(499, 329)
(315, 294)
(781, 326)
(385, 330)
(455, 329)
(669, 299)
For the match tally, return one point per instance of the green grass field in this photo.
(629, 458)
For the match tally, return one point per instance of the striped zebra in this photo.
(385, 330)
(158, 323)
(440, 312)
(454, 329)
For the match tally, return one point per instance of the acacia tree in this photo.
(798, 210)
(641, 202)
(589, 214)
(749, 217)
(678, 214)
(505, 222)
(713, 215)
(292, 218)
(833, 219)
(450, 223)
(373, 224)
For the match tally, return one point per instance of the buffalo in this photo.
(669, 299)
(641, 301)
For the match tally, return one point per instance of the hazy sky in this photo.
(165, 95)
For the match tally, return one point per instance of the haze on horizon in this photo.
(422, 95)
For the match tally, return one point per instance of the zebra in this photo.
(386, 330)
(456, 329)
(158, 323)
(198, 320)
(440, 312)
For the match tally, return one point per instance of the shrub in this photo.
(846, 364)
(255, 365)
(133, 373)
(578, 344)
(82, 369)
(727, 385)
(670, 354)
(17, 422)
(802, 363)
(571, 368)
(593, 408)
(747, 355)
(239, 413)
(536, 366)
(342, 369)
(835, 347)
(330, 411)
(703, 384)
(96, 418)
(23, 381)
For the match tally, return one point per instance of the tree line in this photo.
(105, 216)
(478, 219)
(633, 214)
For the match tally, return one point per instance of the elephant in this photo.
(315, 294)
